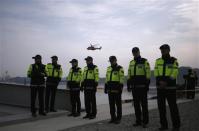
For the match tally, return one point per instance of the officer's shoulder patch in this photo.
(177, 64)
(122, 71)
(119, 66)
(144, 59)
(173, 58)
(96, 69)
(58, 66)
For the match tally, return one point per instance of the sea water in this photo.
(102, 98)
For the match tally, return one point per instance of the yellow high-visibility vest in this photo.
(54, 71)
(75, 75)
(116, 75)
(139, 69)
(167, 69)
(91, 74)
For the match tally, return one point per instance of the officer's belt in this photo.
(139, 86)
(113, 91)
(170, 87)
(89, 88)
(35, 85)
(51, 83)
(74, 89)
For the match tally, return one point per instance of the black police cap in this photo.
(164, 46)
(111, 58)
(37, 57)
(88, 58)
(54, 57)
(73, 61)
(135, 49)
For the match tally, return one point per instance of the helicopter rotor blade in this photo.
(95, 44)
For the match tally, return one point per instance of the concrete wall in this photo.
(19, 95)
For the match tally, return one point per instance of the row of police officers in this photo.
(166, 72)
(37, 72)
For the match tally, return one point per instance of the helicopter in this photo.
(93, 47)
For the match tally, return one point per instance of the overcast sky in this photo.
(66, 27)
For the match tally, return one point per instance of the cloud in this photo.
(66, 28)
(188, 10)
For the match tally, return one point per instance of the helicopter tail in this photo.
(100, 48)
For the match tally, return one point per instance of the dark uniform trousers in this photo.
(37, 89)
(191, 91)
(90, 102)
(115, 99)
(51, 89)
(170, 96)
(140, 105)
(75, 101)
(191, 84)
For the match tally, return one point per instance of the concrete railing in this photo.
(19, 95)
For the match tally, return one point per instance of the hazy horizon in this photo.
(67, 27)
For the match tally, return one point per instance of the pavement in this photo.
(188, 115)
(19, 119)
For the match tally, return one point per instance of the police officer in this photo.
(114, 86)
(190, 80)
(89, 84)
(36, 73)
(54, 75)
(166, 72)
(73, 83)
(138, 81)
(196, 77)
